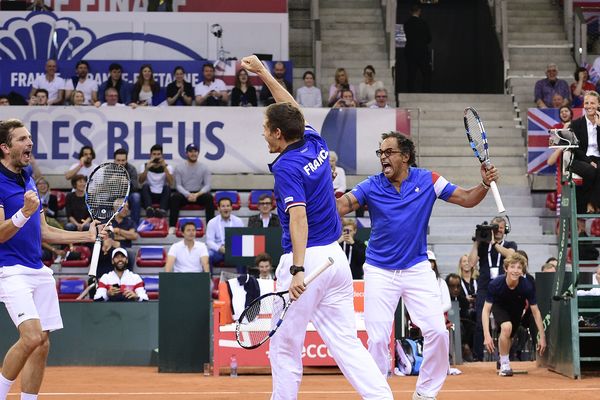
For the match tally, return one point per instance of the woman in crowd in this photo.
(78, 98)
(180, 92)
(580, 86)
(145, 91)
(243, 93)
(341, 83)
(309, 95)
(367, 88)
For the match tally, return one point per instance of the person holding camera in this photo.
(355, 249)
(341, 83)
(367, 88)
(156, 179)
(347, 100)
(490, 249)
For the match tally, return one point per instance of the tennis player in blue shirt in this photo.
(400, 200)
(311, 227)
(27, 287)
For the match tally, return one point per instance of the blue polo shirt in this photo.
(25, 247)
(303, 178)
(399, 219)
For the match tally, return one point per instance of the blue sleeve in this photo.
(361, 191)
(289, 186)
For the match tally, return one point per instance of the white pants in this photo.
(328, 303)
(420, 292)
(30, 293)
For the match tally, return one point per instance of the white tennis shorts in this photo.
(30, 293)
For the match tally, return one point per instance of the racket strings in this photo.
(108, 184)
(260, 319)
(477, 134)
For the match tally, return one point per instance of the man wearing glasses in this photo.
(400, 200)
(265, 219)
(381, 98)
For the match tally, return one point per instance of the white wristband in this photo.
(18, 219)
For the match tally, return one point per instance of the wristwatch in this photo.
(294, 269)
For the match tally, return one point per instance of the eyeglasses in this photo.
(386, 152)
(381, 97)
(265, 203)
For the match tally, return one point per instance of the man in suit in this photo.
(265, 219)
(355, 249)
(586, 158)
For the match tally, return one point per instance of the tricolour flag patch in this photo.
(247, 245)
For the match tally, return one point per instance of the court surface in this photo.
(478, 381)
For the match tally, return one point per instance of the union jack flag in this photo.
(538, 123)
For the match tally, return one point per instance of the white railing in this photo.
(500, 16)
(316, 39)
(579, 35)
(568, 19)
(389, 9)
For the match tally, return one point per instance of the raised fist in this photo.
(31, 203)
(252, 64)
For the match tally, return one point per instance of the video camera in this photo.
(484, 232)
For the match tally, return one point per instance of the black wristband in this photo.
(294, 269)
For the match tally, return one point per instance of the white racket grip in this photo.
(95, 256)
(318, 271)
(497, 198)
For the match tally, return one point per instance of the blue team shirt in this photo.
(399, 219)
(25, 247)
(303, 178)
(511, 299)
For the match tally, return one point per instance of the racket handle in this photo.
(95, 256)
(318, 271)
(497, 198)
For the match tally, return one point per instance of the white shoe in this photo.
(417, 396)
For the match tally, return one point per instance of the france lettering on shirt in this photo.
(399, 219)
(303, 178)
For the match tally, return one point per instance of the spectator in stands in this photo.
(40, 98)
(467, 322)
(264, 264)
(115, 81)
(266, 98)
(46, 197)
(593, 291)
(546, 88)
(192, 179)
(553, 261)
(445, 294)
(156, 179)
(381, 98)
(54, 84)
(355, 250)
(418, 38)
(38, 5)
(368, 87)
(86, 164)
(77, 98)
(507, 298)
(82, 82)
(339, 180)
(548, 267)
(135, 198)
(145, 90)
(468, 275)
(123, 226)
(4, 101)
(265, 218)
(180, 92)
(586, 158)
(243, 93)
(215, 233)
(341, 83)
(120, 284)
(77, 213)
(160, 5)
(189, 254)
(105, 258)
(580, 86)
(111, 95)
(309, 95)
(557, 100)
(347, 100)
(211, 91)
(491, 256)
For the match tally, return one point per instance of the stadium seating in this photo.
(84, 261)
(151, 286)
(234, 196)
(70, 288)
(151, 256)
(551, 201)
(255, 194)
(61, 198)
(154, 227)
(196, 220)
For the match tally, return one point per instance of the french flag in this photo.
(247, 245)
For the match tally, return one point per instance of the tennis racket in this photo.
(478, 141)
(108, 183)
(261, 319)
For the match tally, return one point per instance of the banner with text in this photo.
(229, 138)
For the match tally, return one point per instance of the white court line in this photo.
(305, 392)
